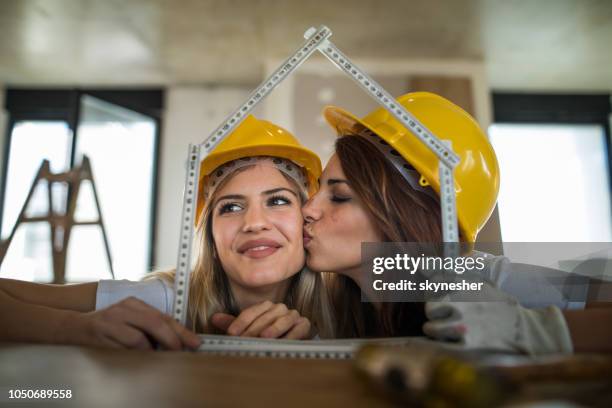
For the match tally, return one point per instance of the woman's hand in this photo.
(266, 319)
(129, 324)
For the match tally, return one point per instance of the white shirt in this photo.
(154, 292)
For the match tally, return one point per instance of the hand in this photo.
(500, 324)
(130, 324)
(266, 319)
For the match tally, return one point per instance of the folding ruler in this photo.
(316, 40)
(319, 349)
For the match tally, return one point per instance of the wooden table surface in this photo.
(109, 378)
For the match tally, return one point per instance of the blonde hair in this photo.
(210, 292)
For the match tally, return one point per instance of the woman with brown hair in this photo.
(382, 186)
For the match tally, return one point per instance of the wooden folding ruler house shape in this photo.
(316, 40)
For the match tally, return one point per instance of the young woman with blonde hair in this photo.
(248, 254)
(252, 187)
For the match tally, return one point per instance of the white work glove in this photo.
(502, 324)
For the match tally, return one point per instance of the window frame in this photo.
(27, 104)
(540, 108)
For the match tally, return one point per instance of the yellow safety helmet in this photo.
(476, 176)
(256, 137)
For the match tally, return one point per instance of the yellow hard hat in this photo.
(476, 176)
(256, 137)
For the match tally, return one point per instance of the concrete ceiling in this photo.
(525, 44)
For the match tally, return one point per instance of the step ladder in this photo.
(61, 223)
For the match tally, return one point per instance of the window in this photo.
(554, 157)
(119, 132)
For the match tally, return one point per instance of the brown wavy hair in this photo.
(401, 214)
